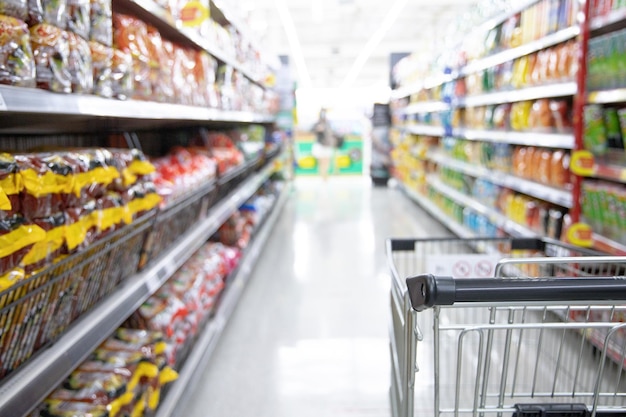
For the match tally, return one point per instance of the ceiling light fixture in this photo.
(294, 43)
(372, 43)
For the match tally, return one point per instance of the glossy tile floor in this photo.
(310, 335)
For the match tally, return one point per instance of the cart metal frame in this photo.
(484, 327)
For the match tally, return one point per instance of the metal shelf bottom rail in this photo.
(201, 353)
(23, 390)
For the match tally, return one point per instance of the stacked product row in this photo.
(499, 111)
(86, 48)
(124, 376)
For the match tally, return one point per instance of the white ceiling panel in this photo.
(327, 36)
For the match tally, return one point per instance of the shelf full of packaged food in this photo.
(426, 130)
(202, 351)
(610, 22)
(611, 166)
(564, 89)
(26, 110)
(155, 15)
(541, 139)
(427, 84)
(432, 209)
(511, 54)
(606, 245)
(426, 107)
(617, 95)
(225, 10)
(501, 221)
(22, 390)
(544, 192)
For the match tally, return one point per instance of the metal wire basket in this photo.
(36, 311)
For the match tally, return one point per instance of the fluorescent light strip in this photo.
(294, 43)
(373, 42)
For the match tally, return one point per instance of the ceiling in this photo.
(348, 43)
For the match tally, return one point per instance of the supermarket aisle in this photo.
(310, 335)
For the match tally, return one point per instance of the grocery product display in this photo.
(500, 109)
(93, 229)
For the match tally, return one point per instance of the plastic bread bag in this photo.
(102, 61)
(17, 65)
(122, 75)
(14, 8)
(55, 13)
(51, 52)
(131, 35)
(81, 227)
(101, 22)
(80, 64)
(79, 17)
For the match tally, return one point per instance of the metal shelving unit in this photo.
(27, 110)
(551, 140)
(426, 107)
(21, 391)
(614, 20)
(433, 210)
(205, 345)
(522, 185)
(617, 95)
(520, 51)
(494, 217)
(426, 130)
(149, 11)
(510, 96)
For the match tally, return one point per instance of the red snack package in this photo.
(48, 249)
(51, 52)
(130, 35)
(17, 65)
(45, 179)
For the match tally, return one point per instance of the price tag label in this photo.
(583, 163)
(3, 104)
(580, 234)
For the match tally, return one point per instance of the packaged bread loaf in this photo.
(51, 51)
(17, 66)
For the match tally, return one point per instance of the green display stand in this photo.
(347, 161)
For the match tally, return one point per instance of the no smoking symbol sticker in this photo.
(484, 269)
(461, 269)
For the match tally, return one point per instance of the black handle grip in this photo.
(426, 291)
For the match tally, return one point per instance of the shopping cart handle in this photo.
(426, 291)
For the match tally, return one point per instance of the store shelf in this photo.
(426, 130)
(21, 391)
(494, 217)
(26, 110)
(432, 209)
(152, 13)
(225, 10)
(531, 93)
(607, 245)
(551, 194)
(617, 95)
(520, 51)
(202, 351)
(609, 23)
(551, 140)
(427, 84)
(426, 107)
(611, 166)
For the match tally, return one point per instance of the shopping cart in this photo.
(509, 345)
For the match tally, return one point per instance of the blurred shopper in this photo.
(325, 143)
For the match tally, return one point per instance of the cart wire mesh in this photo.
(494, 359)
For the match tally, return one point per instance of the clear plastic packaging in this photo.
(17, 66)
(101, 56)
(51, 52)
(79, 17)
(80, 64)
